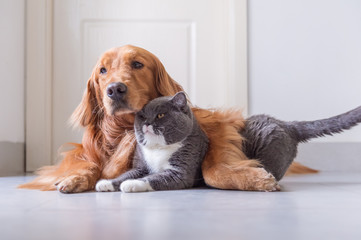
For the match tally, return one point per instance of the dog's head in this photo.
(123, 81)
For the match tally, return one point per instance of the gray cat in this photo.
(169, 152)
(274, 142)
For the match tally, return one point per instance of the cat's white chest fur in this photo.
(157, 156)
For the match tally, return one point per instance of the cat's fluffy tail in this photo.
(306, 130)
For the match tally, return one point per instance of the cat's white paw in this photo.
(135, 186)
(104, 185)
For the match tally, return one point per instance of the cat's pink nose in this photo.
(148, 129)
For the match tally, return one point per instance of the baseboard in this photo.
(12, 158)
(344, 157)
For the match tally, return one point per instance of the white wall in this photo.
(305, 59)
(12, 29)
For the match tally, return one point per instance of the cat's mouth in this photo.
(152, 138)
(150, 134)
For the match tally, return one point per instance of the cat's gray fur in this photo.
(177, 126)
(274, 142)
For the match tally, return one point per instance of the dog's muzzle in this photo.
(116, 91)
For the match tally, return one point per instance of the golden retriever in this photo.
(122, 82)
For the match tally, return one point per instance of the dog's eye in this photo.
(137, 65)
(103, 70)
(160, 115)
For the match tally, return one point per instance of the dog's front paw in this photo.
(73, 184)
(135, 186)
(104, 185)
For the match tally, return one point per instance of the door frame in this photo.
(39, 74)
(38, 83)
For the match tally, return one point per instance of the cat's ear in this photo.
(179, 100)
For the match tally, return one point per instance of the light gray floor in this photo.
(323, 206)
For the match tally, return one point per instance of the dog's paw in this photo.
(73, 184)
(271, 184)
(104, 185)
(135, 186)
(266, 182)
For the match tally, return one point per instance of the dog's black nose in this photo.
(116, 90)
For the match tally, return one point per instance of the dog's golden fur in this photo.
(108, 142)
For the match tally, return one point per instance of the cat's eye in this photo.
(103, 70)
(137, 65)
(160, 115)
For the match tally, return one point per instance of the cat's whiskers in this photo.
(160, 130)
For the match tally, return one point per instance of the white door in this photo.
(202, 44)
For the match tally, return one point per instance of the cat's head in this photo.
(164, 121)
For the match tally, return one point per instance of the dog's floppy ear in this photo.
(165, 85)
(86, 112)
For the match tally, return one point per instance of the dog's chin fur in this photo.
(123, 111)
(124, 106)
(118, 108)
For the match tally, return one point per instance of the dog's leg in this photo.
(82, 178)
(242, 177)
(74, 174)
(227, 167)
(77, 172)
